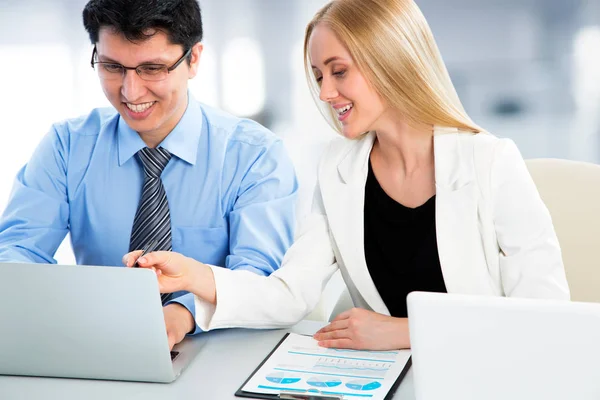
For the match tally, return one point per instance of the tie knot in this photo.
(154, 160)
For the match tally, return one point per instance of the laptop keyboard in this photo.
(174, 355)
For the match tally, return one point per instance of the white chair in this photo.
(571, 191)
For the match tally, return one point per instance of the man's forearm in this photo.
(187, 301)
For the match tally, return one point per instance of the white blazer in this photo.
(495, 236)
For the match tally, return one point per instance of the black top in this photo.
(400, 247)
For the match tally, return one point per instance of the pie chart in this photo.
(363, 384)
(323, 382)
(281, 378)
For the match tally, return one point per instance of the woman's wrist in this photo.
(188, 274)
(403, 333)
(201, 281)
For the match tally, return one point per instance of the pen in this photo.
(147, 249)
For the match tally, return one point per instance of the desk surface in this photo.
(223, 364)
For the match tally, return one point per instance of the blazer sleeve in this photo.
(245, 299)
(530, 257)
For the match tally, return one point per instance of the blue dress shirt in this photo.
(230, 185)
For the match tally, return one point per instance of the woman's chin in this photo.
(352, 134)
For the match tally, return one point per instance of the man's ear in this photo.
(195, 61)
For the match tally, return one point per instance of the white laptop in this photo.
(86, 322)
(488, 348)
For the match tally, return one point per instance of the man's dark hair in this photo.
(180, 20)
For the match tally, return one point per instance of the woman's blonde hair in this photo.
(393, 47)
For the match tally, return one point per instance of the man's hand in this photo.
(361, 329)
(179, 322)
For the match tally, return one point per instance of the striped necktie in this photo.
(152, 219)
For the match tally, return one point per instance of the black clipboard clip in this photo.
(316, 395)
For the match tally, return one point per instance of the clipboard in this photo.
(311, 394)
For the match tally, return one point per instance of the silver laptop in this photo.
(86, 322)
(475, 348)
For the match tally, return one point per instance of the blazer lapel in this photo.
(345, 209)
(457, 212)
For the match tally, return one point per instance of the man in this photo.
(158, 167)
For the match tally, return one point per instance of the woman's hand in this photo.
(176, 272)
(361, 329)
(172, 269)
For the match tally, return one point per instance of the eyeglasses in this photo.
(148, 72)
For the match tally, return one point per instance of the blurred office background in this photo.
(525, 69)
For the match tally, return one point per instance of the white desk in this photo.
(223, 364)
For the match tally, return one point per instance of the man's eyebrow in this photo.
(160, 61)
(155, 61)
(103, 58)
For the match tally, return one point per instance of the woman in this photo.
(425, 200)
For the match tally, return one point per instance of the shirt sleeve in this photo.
(262, 221)
(36, 218)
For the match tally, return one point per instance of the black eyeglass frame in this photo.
(169, 69)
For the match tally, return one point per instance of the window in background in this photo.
(585, 141)
(243, 77)
(88, 92)
(39, 88)
(587, 65)
(37, 82)
(204, 87)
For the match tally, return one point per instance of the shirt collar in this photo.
(182, 142)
